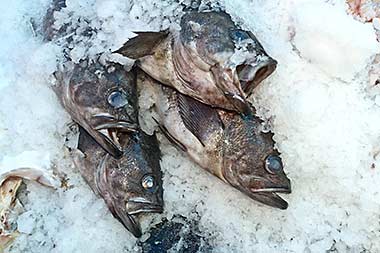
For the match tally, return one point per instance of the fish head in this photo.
(132, 185)
(103, 101)
(253, 165)
(235, 57)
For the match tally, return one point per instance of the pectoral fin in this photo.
(199, 119)
(143, 44)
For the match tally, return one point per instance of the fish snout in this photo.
(276, 184)
(266, 191)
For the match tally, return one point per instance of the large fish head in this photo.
(252, 164)
(235, 57)
(132, 185)
(102, 100)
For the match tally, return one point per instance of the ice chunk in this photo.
(26, 223)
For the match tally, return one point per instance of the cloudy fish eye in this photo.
(273, 164)
(117, 99)
(147, 182)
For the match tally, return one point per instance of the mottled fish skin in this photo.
(201, 59)
(230, 146)
(115, 157)
(129, 182)
(131, 185)
(101, 99)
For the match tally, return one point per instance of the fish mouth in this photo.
(131, 223)
(226, 80)
(140, 205)
(108, 132)
(252, 74)
(270, 197)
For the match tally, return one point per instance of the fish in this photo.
(132, 185)
(209, 59)
(102, 99)
(117, 159)
(232, 147)
(121, 162)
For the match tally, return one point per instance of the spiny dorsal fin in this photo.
(199, 119)
(143, 44)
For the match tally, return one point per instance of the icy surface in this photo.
(322, 103)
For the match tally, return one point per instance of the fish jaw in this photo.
(271, 199)
(252, 74)
(110, 132)
(136, 205)
(263, 190)
(268, 192)
(227, 81)
(130, 222)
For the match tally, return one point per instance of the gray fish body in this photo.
(209, 59)
(225, 144)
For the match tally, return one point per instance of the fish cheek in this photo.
(231, 171)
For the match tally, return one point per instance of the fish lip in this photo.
(110, 122)
(270, 66)
(106, 128)
(271, 199)
(269, 196)
(236, 98)
(267, 67)
(273, 190)
(120, 124)
(134, 226)
(145, 206)
(148, 209)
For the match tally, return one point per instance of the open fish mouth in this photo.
(270, 197)
(140, 205)
(251, 75)
(108, 130)
(130, 220)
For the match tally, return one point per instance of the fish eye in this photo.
(273, 164)
(239, 35)
(147, 182)
(117, 99)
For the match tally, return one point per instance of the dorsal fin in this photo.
(199, 119)
(143, 44)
